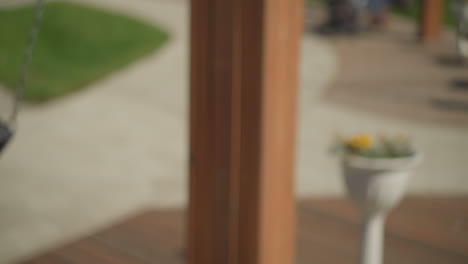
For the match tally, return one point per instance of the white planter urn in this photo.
(376, 185)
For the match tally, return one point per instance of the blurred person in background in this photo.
(344, 15)
(342, 18)
(378, 13)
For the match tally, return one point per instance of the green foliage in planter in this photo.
(381, 147)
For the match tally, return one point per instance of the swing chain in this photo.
(32, 39)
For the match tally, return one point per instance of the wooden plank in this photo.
(431, 19)
(211, 187)
(322, 229)
(445, 230)
(47, 259)
(283, 33)
(146, 237)
(166, 227)
(86, 251)
(150, 237)
(244, 78)
(327, 233)
(323, 237)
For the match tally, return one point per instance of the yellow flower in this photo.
(361, 142)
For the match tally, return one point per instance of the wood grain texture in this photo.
(283, 34)
(243, 112)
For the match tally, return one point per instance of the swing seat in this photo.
(5, 135)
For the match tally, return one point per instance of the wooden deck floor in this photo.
(421, 230)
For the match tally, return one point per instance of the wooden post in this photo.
(244, 67)
(431, 19)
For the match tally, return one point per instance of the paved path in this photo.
(120, 144)
(394, 75)
(99, 154)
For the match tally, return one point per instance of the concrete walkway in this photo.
(97, 155)
(120, 145)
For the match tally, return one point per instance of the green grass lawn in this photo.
(77, 45)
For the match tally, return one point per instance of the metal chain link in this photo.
(32, 39)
